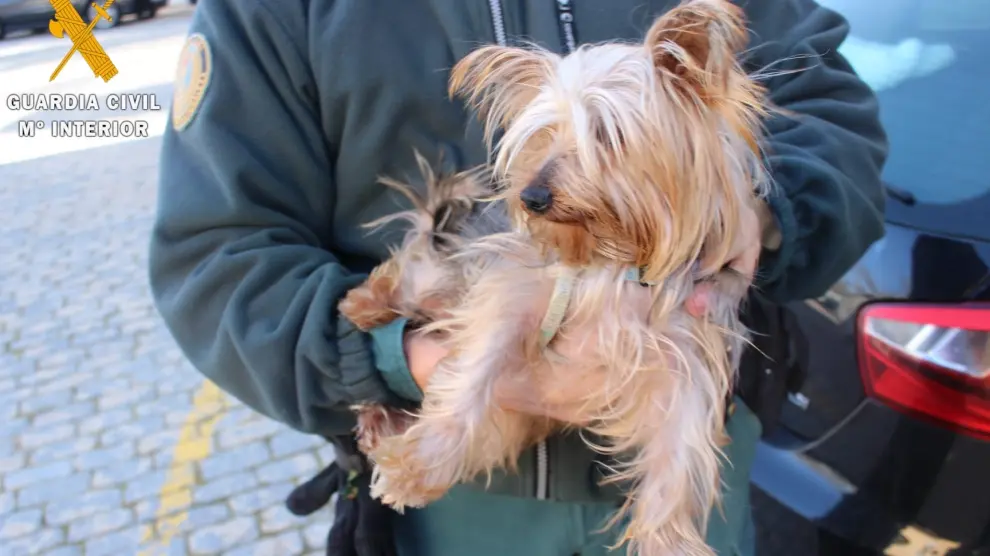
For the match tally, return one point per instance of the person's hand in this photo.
(747, 248)
(423, 352)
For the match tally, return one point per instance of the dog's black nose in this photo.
(537, 198)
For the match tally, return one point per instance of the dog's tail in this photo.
(451, 210)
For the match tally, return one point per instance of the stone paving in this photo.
(110, 443)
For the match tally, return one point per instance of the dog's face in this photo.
(636, 152)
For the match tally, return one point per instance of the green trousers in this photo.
(469, 522)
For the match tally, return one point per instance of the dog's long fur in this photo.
(651, 153)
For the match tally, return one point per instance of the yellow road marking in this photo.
(194, 444)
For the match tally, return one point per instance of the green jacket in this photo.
(308, 102)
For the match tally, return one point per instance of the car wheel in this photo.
(779, 531)
(113, 11)
(145, 10)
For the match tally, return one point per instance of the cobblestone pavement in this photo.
(110, 443)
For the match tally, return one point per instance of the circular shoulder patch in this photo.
(191, 79)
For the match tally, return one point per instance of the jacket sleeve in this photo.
(241, 266)
(825, 156)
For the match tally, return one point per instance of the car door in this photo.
(11, 10)
(39, 10)
(21, 12)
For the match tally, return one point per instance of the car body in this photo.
(885, 447)
(33, 15)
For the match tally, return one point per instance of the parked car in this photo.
(33, 15)
(885, 447)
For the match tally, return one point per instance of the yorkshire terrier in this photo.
(621, 167)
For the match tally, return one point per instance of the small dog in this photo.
(621, 167)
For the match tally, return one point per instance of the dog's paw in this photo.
(399, 480)
(398, 498)
(415, 469)
(369, 305)
(377, 422)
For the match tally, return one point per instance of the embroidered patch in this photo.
(192, 77)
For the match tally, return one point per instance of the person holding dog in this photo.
(286, 113)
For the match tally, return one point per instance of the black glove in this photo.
(362, 526)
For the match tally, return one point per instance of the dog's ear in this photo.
(499, 81)
(698, 42)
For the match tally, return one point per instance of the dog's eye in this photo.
(614, 138)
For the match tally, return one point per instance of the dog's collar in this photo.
(560, 300)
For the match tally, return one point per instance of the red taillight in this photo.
(929, 360)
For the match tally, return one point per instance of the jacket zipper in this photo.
(566, 19)
(498, 22)
(542, 451)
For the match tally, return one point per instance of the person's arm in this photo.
(825, 159)
(240, 262)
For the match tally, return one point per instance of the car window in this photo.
(928, 62)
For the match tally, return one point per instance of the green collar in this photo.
(560, 300)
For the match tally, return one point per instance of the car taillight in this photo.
(929, 360)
